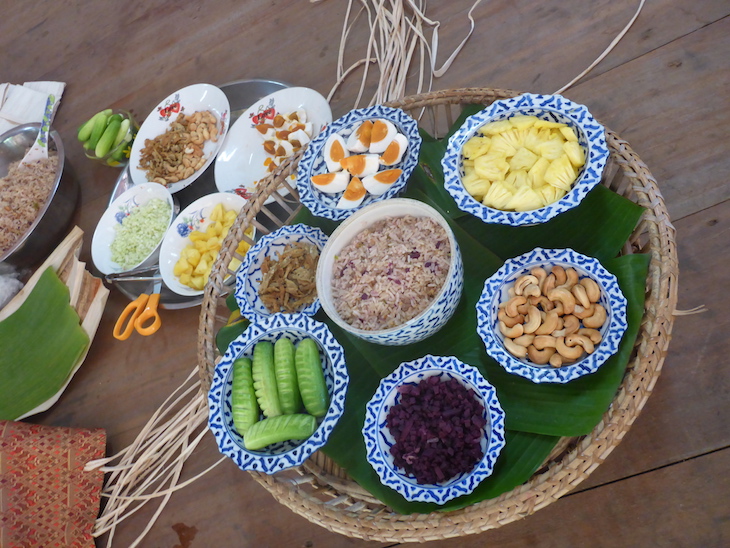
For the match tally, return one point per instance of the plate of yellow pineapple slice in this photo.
(524, 160)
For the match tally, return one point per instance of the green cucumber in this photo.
(122, 133)
(100, 123)
(107, 138)
(277, 429)
(264, 379)
(87, 127)
(244, 407)
(310, 374)
(286, 377)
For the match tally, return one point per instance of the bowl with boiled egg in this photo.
(525, 160)
(364, 157)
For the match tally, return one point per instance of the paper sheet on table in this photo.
(26, 103)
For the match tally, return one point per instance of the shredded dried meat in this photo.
(288, 283)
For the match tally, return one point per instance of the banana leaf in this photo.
(41, 342)
(537, 415)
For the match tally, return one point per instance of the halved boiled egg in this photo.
(361, 165)
(359, 140)
(353, 195)
(331, 183)
(395, 150)
(299, 138)
(335, 149)
(384, 131)
(380, 182)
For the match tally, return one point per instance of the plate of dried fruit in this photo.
(270, 131)
(181, 137)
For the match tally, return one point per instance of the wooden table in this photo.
(665, 88)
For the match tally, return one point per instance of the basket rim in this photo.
(347, 510)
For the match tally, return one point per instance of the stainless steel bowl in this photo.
(54, 217)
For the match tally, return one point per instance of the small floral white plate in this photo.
(194, 217)
(241, 162)
(188, 100)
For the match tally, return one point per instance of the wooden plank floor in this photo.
(665, 89)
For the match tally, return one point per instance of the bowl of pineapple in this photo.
(524, 160)
(193, 242)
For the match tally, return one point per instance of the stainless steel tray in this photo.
(241, 95)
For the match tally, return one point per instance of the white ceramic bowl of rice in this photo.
(130, 232)
(391, 273)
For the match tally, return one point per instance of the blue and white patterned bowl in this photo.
(495, 291)
(312, 162)
(434, 316)
(282, 455)
(554, 108)
(248, 277)
(378, 439)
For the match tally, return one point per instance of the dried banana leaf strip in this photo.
(40, 343)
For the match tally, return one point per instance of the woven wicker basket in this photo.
(323, 493)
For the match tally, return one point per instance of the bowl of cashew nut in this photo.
(551, 315)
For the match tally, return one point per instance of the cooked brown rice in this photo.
(23, 192)
(390, 272)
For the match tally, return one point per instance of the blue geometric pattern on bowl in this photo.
(378, 439)
(312, 162)
(282, 455)
(430, 320)
(248, 277)
(554, 108)
(495, 291)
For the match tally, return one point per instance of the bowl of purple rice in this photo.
(434, 429)
(391, 273)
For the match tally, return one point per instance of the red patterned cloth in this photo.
(46, 498)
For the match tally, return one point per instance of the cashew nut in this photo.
(531, 290)
(564, 296)
(582, 313)
(539, 357)
(511, 307)
(597, 319)
(539, 273)
(580, 340)
(556, 360)
(549, 284)
(509, 321)
(569, 352)
(541, 301)
(572, 278)
(550, 324)
(525, 340)
(560, 276)
(533, 320)
(515, 349)
(581, 295)
(571, 324)
(511, 332)
(544, 341)
(593, 334)
(523, 281)
(592, 289)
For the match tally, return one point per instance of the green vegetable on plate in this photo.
(312, 385)
(244, 407)
(277, 429)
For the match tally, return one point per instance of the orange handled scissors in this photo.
(139, 313)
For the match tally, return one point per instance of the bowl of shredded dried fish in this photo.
(181, 137)
(278, 274)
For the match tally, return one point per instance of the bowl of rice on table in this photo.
(392, 273)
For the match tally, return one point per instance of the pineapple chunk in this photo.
(476, 146)
(561, 173)
(575, 153)
(495, 128)
(551, 194)
(523, 121)
(551, 149)
(180, 267)
(498, 196)
(568, 133)
(523, 159)
(525, 199)
(477, 188)
(491, 168)
(500, 145)
(536, 175)
(549, 125)
(513, 137)
(517, 179)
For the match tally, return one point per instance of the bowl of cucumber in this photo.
(277, 393)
